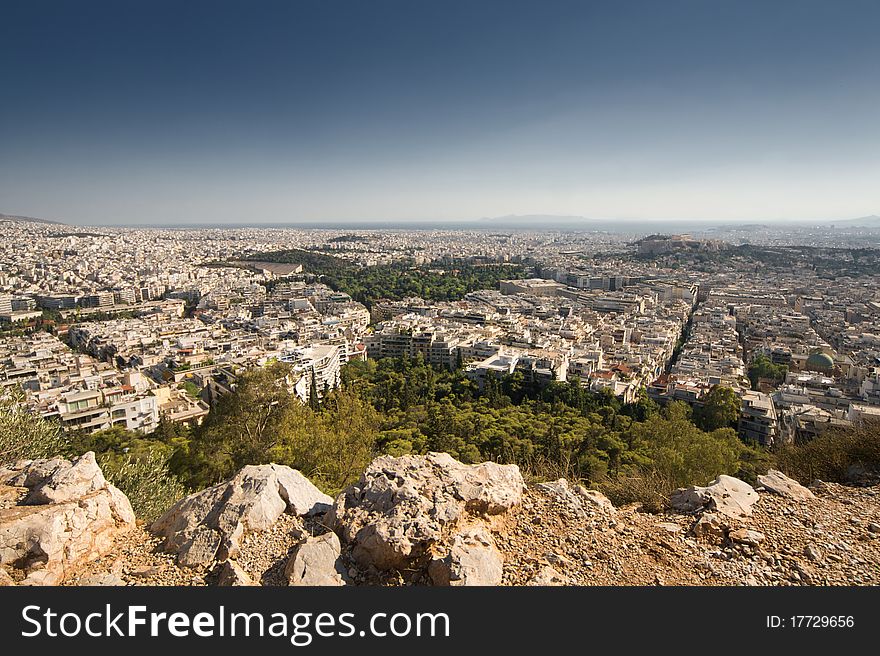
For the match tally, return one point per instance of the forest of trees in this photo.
(434, 282)
(636, 452)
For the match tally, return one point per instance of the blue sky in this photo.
(318, 110)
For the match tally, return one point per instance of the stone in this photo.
(548, 577)
(70, 516)
(473, 560)
(596, 498)
(230, 574)
(778, 483)
(68, 480)
(145, 571)
(208, 526)
(302, 497)
(557, 559)
(747, 536)
(405, 510)
(102, 580)
(726, 495)
(579, 499)
(561, 490)
(669, 527)
(710, 526)
(11, 495)
(873, 527)
(316, 562)
(813, 552)
(5, 579)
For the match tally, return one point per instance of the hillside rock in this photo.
(581, 500)
(66, 515)
(726, 495)
(316, 561)
(472, 559)
(777, 482)
(406, 511)
(208, 526)
(5, 579)
(231, 574)
(59, 480)
(548, 577)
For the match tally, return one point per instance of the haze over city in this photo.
(203, 112)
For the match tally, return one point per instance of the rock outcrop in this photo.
(779, 483)
(65, 514)
(430, 520)
(472, 559)
(581, 500)
(726, 495)
(316, 561)
(408, 512)
(208, 526)
(229, 573)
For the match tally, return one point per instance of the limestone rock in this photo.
(316, 562)
(101, 580)
(596, 498)
(779, 483)
(813, 552)
(5, 578)
(726, 495)
(747, 536)
(67, 480)
(548, 577)
(710, 526)
(10, 496)
(472, 560)
(231, 574)
(405, 510)
(209, 525)
(579, 499)
(70, 516)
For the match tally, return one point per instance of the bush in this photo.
(145, 480)
(829, 456)
(26, 435)
(651, 489)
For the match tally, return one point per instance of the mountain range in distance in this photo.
(26, 219)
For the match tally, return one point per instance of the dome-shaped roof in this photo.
(821, 361)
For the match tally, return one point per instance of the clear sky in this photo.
(320, 110)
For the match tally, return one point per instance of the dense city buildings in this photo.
(128, 327)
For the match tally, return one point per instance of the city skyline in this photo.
(217, 113)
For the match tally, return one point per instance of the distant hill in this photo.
(26, 219)
(872, 221)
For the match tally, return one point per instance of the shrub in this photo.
(24, 434)
(829, 456)
(651, 489)
(145, 480)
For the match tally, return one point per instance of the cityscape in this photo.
(126, 327)
(573, 304)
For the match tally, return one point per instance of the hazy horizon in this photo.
(397, 112)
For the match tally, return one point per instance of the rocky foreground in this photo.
(430, 520)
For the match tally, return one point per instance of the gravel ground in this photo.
(832, 540)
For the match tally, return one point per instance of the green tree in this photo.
(25, 434)
(721, 409)
(242, 429)
(762, 367)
